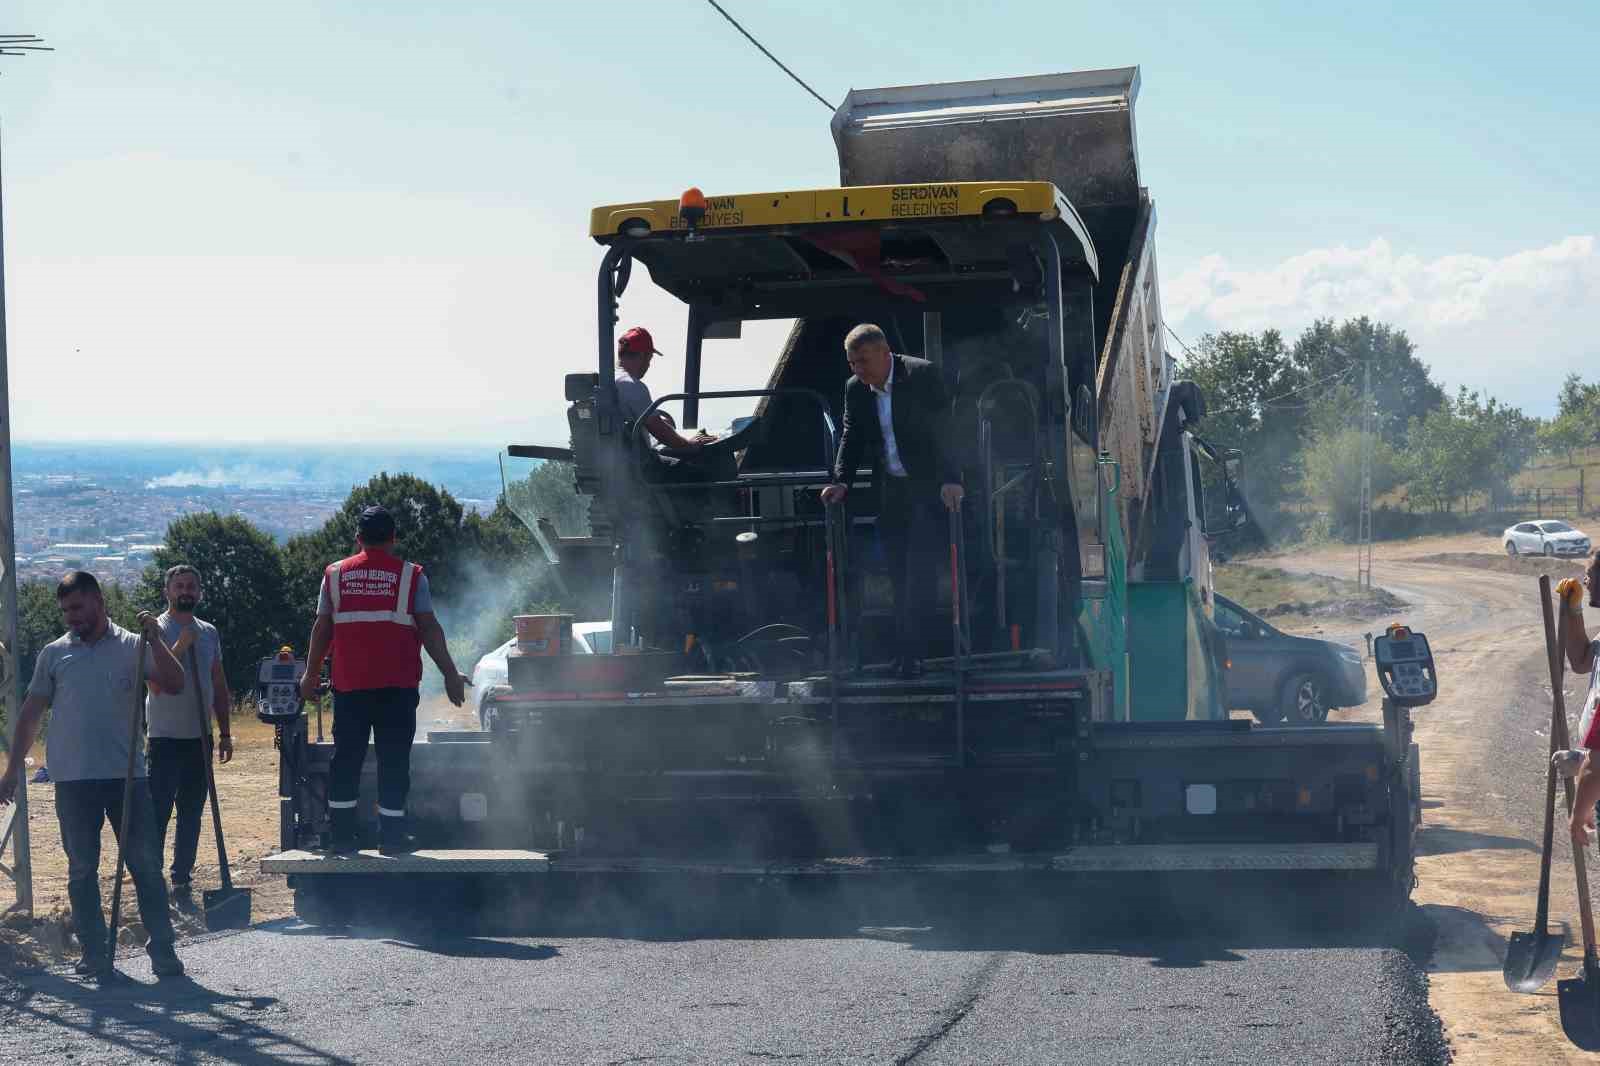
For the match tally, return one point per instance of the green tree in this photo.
(1254, 404)
(1467, 445)
(430, 529)
(1334, 357)
(550, 493)
(1565, 434)
(482, 569)
(242, 574)
(1503, 437)
(1333, 470)
(1578, 398)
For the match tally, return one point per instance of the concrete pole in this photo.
(22, 864)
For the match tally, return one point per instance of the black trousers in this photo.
(82, 808)
(178, 782)
(389, 717)
(911, 521)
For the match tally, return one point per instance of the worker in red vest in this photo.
(376, 614)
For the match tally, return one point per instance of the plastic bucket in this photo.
(544, 634)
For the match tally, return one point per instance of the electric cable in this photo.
(798, 80)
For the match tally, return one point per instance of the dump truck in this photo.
(1069, 721)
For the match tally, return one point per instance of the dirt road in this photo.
(1483, 744)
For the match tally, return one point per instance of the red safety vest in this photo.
(375, 641)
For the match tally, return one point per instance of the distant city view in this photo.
(106, 507)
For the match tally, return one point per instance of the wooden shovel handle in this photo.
(1555, 636)
(211, 777)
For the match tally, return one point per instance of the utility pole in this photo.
(14, 820)
(1364, 522)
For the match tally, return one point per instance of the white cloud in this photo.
(1513, 325)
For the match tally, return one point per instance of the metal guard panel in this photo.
(852, 206)
(302, 863)
(1220, 858)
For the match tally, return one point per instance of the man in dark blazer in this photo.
(896, 410)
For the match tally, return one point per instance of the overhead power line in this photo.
(797, 79)
(20, 44)
(1181, 344)
(1272, 401)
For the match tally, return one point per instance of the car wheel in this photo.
(485, 716)
(1303, 699)
(1549, 550)
(1511, 548)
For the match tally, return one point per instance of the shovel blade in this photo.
(227, 908)
(1580, 1012)
(1531, 960)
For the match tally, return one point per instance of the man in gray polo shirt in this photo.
(180, 741)
(89, 678)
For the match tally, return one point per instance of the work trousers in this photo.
(82, 808)
(911, 519)
(389, 717)
(178, 781)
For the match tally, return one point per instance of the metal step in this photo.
(443, 861)
(1184, 858)
(1126, 858)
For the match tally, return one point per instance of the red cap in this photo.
(637, 341)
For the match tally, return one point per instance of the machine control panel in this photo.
(278, 687)
(1405, 666)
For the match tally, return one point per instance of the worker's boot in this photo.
(91, 964)
(342, 838)
(164, 962)
(393, 838)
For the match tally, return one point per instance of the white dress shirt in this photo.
(891, 450)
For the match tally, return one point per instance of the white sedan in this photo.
(1545, 537)
(588, 638)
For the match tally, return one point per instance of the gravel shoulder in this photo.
(1484, 746)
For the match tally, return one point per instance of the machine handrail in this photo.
(958, 627)
(994, 514)
(835, 546)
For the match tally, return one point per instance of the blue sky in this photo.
(367, 222)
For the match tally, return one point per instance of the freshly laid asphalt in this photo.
(1004, 988)
(1125, 980)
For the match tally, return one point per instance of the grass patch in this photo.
(1269, 591)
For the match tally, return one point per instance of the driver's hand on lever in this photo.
(833, 494)
(952, 495)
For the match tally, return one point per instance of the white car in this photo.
(1545, 537)
(588, 638)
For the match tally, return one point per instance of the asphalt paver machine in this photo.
(1070, 720)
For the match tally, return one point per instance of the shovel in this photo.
(1579, 996)
(226, 907)
(1531, 957)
